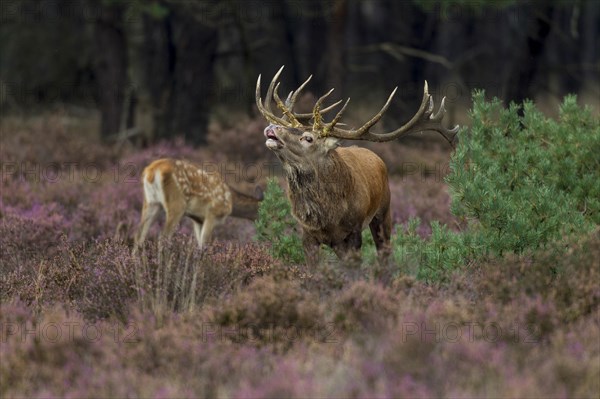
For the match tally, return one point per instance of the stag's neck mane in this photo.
(315, 188)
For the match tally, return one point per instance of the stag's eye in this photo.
(307, 138)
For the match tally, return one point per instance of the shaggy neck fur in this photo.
(318, 192)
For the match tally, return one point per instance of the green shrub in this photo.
(432, 259)
(368, 249)
(527, 180)
(522, 182)
(276, 226)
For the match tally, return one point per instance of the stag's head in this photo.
(297, 145)
(298, 138)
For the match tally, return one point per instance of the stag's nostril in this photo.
(270, 133)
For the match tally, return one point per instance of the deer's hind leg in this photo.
(174, 210)
(149, 214)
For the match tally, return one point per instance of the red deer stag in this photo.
(184, 189)
(336, 192)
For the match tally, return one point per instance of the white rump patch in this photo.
(154, 191)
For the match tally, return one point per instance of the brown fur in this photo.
(245, 206)
(335, 192)
(184, 189)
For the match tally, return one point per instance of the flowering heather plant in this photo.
(116, 208)
(78, 209)
(108, 286)
(567, 280)
(64, 355)
(257, 336)
(16, 193)
(30, 234)
(81, 316)
(61, 147)
(178, 276)
(95, 278)
(366, 307)
(271, 310)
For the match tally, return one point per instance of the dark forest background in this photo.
(164, 68)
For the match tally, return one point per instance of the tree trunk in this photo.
(526, 63)
(316, 58)
(177, 58)
(110, 64)
(193, 77)
(590, 31)
(336, 70)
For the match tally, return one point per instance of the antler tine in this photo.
(422, 120)
(448, 134)
(329, 127)
(287, 107)
(317, 115)
(287, 110)
(271, 88)
(323, 111)
(291, 101)
(270, 116)
(296, 92)
(288, 99)
(356, 134)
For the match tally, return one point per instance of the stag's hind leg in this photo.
(381, 229)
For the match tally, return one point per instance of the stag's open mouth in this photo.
(272, 141)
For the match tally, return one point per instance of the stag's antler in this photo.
(289, 118)
(424, 119)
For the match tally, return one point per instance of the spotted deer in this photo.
(182, 188)
(336, 192)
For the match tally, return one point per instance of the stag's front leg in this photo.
(349, 249)
(311, 249)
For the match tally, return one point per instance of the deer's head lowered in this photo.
(336, 192)
(182, 188)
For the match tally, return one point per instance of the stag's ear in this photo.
(331, 143)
